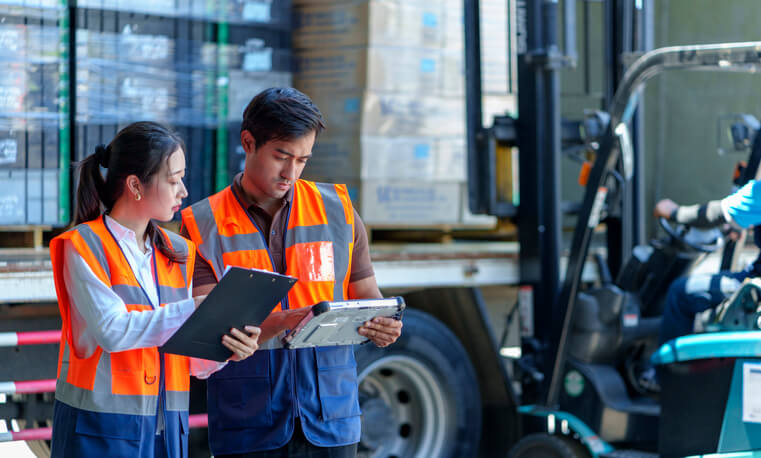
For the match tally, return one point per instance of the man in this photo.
(693, 294)
(286, 402)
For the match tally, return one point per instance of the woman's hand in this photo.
(198, 300)
(241, 344)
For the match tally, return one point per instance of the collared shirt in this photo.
(274, 226)
(99, 316)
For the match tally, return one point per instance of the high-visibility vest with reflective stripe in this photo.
(318, 245)
(125, 382)
(253, 404)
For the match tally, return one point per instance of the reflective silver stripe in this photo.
(207, 227)
(105, 401)
(169, 294)
(307, 234)
(131, 294)
(177, 400)
(179, 245)
(135, 295)
(341, 235)
(95, 244)
(242, 242)
(65, 360)
(101, 398)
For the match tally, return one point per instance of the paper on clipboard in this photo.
(751, 390)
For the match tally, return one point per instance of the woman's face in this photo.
(165, 191)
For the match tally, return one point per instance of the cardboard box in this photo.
(42, 196)
(13, 197)
(409, 202)
(381, 68)
(351, 158)
(30, 196)
(498, 53)
(321, 24)
(423, 159)
(393, 115)
(12, 148)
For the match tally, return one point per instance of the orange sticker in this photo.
(316, 261)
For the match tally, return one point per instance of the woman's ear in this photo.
(134, 187)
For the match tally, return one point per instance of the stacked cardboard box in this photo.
(388, 76)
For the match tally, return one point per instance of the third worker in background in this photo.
(280, 402)
(693, 294)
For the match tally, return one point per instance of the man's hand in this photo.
(383, 331)
(241, 344)
(665, 208)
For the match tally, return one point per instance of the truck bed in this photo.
(26, 274)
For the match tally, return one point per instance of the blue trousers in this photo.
(300, 447)
(81, 433)
(693, 294)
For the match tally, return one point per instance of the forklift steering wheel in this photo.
(679, 232)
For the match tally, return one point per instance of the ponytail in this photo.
(91, 188)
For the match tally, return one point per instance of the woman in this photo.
(124, 286)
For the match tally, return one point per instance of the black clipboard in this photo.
(332, 323)
(242, 297)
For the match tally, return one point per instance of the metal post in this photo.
(473, 110)
(539, 221)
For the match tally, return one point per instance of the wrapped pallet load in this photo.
(33, 114)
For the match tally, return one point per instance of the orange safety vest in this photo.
(318, 245)
(124, 382)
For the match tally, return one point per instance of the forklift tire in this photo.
(419, 396)
(543, 445)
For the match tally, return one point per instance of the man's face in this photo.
(274, 167)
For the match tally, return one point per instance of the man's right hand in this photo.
(665, 208)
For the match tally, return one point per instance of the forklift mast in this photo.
(539, 134)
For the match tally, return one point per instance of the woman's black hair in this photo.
(139, 149)
(281, 113)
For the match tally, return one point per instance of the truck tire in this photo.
(419, 397)
(543, 445)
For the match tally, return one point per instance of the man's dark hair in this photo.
(281, 113)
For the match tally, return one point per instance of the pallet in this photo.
(440, 233)
(36, 237)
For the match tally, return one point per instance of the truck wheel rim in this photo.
(409, 412)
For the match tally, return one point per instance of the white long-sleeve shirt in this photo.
(99, 316)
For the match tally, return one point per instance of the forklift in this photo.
(578, 372)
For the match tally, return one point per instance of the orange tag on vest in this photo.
(315, 261)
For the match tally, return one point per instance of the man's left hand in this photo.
(382, 331)
(242, 344)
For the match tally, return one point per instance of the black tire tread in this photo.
(560, 446)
